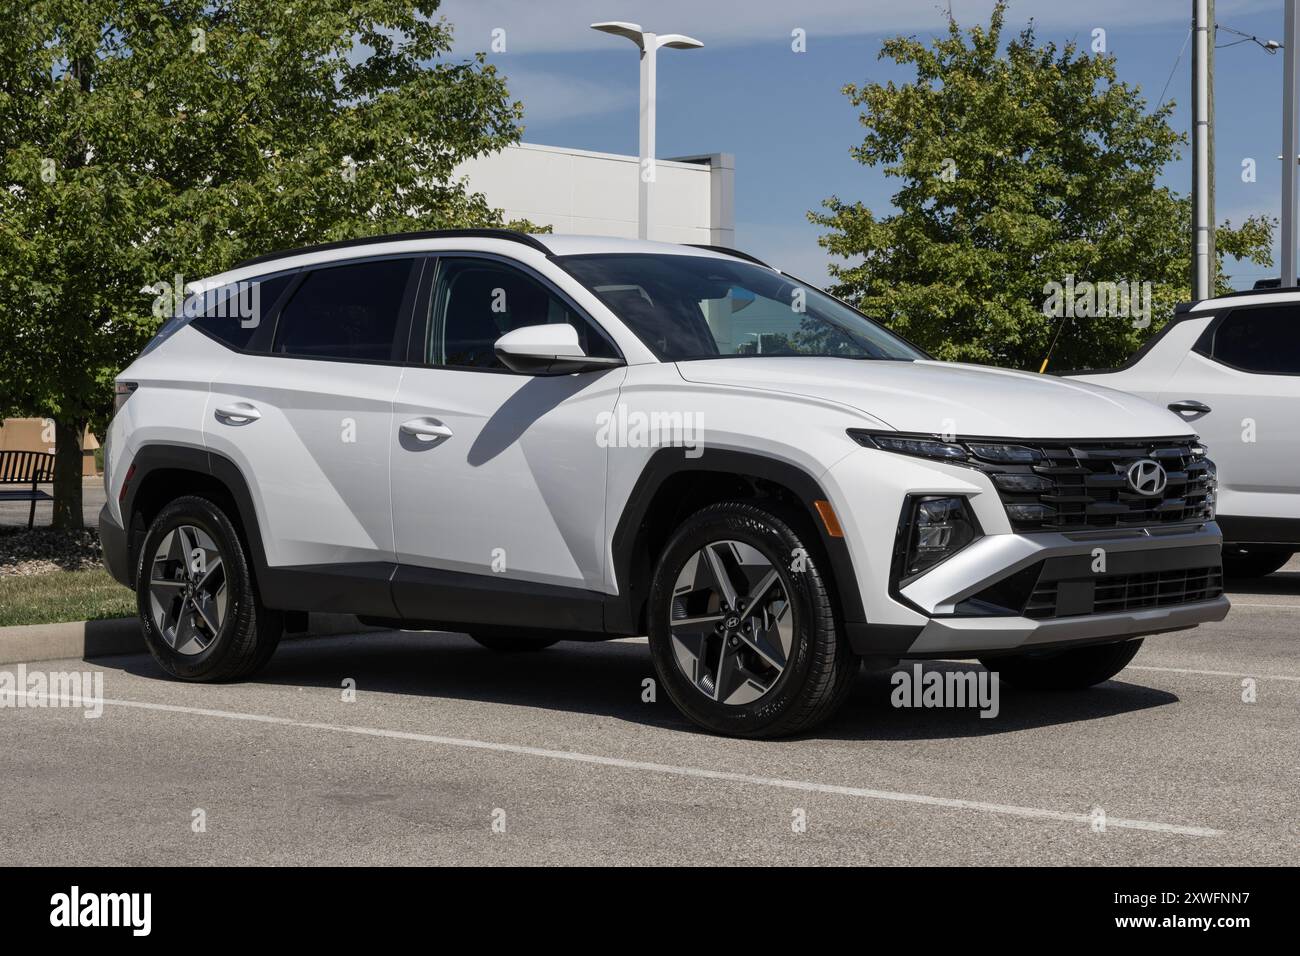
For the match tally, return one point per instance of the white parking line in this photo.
(1190, 670)
(1289, 607)
(668, 769)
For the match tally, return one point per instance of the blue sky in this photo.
(782, 113)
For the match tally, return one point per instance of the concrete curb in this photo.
(26, 643)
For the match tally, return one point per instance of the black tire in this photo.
(247, 634)
(1248, 561)
(1063, 670)
(513, 643)
(820, 666)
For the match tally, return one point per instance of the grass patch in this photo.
(63, 596)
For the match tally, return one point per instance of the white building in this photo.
(580, 192)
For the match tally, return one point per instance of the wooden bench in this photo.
(26, 468)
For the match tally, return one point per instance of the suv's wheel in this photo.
(743, 644)
(196, 597)
(1249, 561)
(513, 643)
(1063, 670)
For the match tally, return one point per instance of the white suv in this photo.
(530, 438)
(1231, 367)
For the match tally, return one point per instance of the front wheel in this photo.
(1063, 670)
(197, 601)
(742, 629)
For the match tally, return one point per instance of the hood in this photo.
(937, 397)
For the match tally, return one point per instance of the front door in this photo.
(498, 478)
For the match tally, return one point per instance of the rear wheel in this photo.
(1063, 670)
(196, 597)
(742, 629)
(1251, 561)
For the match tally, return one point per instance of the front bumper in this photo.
(971, 637)
(1081, 587)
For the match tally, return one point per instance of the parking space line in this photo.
(727, 776)
(1289, 607)
(1191, 670)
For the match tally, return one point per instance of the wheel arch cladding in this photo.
(166, 472)
(672, 487)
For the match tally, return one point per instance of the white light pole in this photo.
(1203, 150)
(1290, 143)
(648, 44)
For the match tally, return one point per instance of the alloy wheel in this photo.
(731, 622)
(187, 589)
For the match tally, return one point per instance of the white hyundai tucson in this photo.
(536, 438)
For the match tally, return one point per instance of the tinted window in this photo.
(1260, 340)
(690, 307)
(232, 313)
(345, 312)
(477, 301)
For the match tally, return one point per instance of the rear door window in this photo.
(345, 312)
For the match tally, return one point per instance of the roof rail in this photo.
(728, 251)
(508, 234)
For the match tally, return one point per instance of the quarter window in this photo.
(232, 313)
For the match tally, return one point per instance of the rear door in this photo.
(305, 411)
(1246, 368)
(498, 477)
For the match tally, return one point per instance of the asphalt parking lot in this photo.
(453, 754)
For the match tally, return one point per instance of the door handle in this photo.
(240, 413)
(1189, 405)
(426, 429)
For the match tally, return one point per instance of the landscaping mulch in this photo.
(41, 550)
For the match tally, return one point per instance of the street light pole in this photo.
(1290, 143)
(648, 44)
(1202, 150)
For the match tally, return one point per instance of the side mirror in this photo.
(548, 350)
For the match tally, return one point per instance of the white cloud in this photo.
(548, 97)
(535, 27)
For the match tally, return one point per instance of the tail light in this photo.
(121, 392)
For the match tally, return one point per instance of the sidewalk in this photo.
(14, 513)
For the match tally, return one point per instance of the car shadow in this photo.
(1279, 582)
(606, 679)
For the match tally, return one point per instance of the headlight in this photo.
(924, 447)
(1212, 489)
(1005, 454)
(934, 529)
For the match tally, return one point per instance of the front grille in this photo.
(1108, 593)
(1083, 485)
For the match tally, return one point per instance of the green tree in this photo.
(140, 141)
(1020, 168)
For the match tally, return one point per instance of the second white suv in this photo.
(529, 438)
(1231, 367)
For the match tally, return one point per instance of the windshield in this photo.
(693, 307)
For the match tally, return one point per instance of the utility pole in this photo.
(1203, 257)
(1290, 143)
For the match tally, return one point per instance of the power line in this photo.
(1268, 46)
(1161, 98)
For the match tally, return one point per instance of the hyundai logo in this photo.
(1147, 477)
